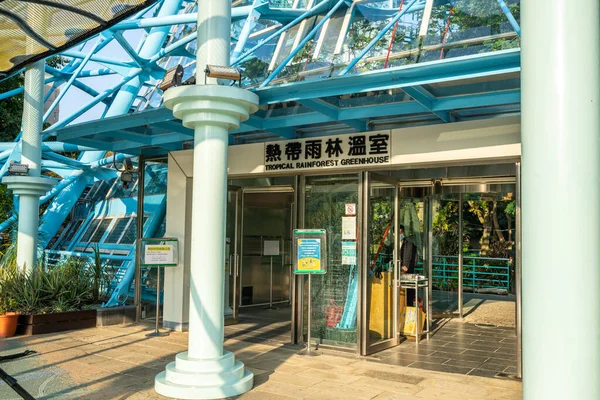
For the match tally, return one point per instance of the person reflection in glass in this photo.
(408, 261)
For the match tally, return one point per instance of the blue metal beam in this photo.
(470, 67)
(333, 112)
(427, 100)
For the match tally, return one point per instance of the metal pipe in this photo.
(315, 10)
(100, 43)
(139, 234)
(253, 17)
(518, 273)
(377, 38)
(510, 17)
(308, 37)
(460, 256)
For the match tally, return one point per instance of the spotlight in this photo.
(173, 77)
(18, 169)
(220, 72)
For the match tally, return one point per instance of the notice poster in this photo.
(159, 254)
(271, 248)
(309, 255)
(348, 228)
(349, 253)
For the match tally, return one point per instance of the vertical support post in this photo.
(157, 331)
(31, 154)
(518, 274)
(29, 188)
(460, 256)
(139, 234)
(430, 247)
(205, 371)
(308, 341)
(301, 185)
(560, 156)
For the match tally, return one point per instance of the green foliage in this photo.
(66, 287)
(8, 246)
(11, 109)
(97, 269)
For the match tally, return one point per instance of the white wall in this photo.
(462, 143)
(177, 279)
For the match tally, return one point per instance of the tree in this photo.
(11, 109)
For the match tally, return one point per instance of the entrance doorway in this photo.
(258, 257)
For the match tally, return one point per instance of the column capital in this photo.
(211, 105)
(29, 185)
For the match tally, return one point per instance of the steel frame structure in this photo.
(320, 69)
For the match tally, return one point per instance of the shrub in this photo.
(67, 287)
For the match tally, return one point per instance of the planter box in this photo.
(115, 315)
(35, 324)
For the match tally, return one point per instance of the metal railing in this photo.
(115, 271)
(478, 272)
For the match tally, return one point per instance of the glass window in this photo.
(100, 231)
(335, 294)
(117, 230)
(90, 230)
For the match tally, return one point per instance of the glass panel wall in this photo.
(489, 233)
(231, 254)
(334, 295)
(445, 254)
(154, 208)
(382, 301)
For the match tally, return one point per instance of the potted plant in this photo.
(8, 304)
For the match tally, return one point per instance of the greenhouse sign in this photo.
(330, 152)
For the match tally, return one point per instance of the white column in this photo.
(30, 188)
(205, 371)
(560, 82)
(208, 238)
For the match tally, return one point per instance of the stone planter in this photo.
(35, 324)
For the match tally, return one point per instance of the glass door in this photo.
(446, 252)
(380, 268)
(232, 275)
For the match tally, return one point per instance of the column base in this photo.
(188, 378)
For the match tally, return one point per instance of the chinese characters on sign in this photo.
(337, 151)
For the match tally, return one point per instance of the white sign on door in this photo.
(350, 209)
(271, 248)
(348, 228)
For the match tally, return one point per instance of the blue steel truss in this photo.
(319, 67)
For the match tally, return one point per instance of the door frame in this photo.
(364, 347)
(262, 190)
(234, 257)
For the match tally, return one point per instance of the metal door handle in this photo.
(237, 270)
(230, 266)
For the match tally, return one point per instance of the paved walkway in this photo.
(121, 362)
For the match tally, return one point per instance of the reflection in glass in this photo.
(335, 294)
(380, 278)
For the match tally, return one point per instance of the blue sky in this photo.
(75, 98)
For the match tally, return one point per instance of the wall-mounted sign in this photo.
(348, 253)
(352, 150)
(348, 228)
(160, 252)
(310, 254)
